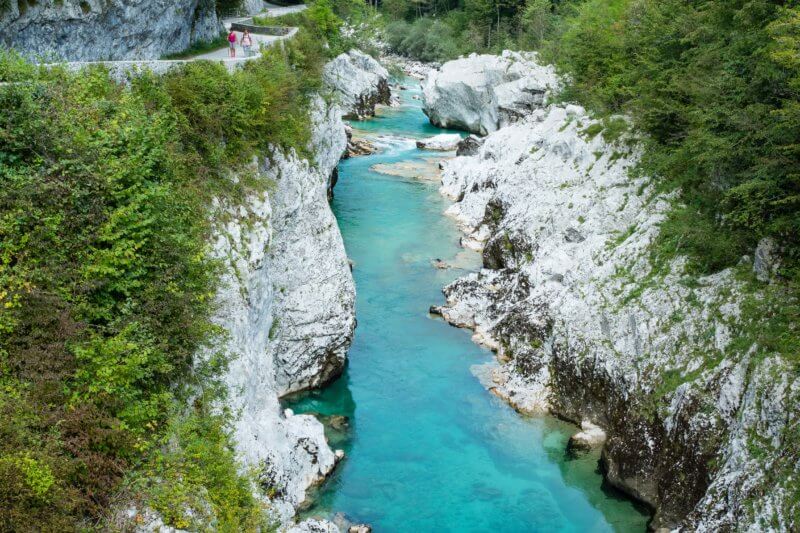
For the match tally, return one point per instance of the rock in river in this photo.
(445, 142)
(482, 93)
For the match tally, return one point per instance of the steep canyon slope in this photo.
(287, 303)
(588, 324)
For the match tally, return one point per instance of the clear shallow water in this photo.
(428, 448)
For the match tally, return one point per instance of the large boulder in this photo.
(360, 83)
(482, 93)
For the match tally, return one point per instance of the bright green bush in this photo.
(106, 288)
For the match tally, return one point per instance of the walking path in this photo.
(258, 39)
(120, 69)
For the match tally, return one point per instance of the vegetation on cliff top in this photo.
(713, 87)
(106, 288)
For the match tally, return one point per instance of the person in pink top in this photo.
(247, 43)
(232, 44)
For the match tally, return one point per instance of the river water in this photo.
(428, 448)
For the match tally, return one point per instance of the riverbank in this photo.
(426, 447)
(592, 321)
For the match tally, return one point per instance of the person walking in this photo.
(247, 43)
(232, 44)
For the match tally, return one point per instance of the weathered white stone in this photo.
(287, 303)
(287, 263)
(359, 82)
(589, 437)
(445, 142)
(766, 260)
(314, 526)
(566, 234)
(482, 93)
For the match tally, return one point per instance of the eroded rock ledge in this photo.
(584, 327)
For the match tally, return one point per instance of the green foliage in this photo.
(438, 30)
(106, 288)
(322, 23)
(714, 86)
(194, 481)
(227, 7)
(426, 39)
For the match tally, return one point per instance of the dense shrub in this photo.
(714, 86)
(106, 288)
(342, 24)
(426, 39)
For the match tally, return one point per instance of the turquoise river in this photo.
(428, 448)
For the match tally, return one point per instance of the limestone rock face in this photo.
(767, 259)
(697, 426)
(482, 93)
(315, 295)
(359, 82)
(93, 30)
(469, 145)
(287, 302)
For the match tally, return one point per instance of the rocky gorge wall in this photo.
(647, 360)
(96, 30)
(287, 302)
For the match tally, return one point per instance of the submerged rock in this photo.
(427, 168)
(482, 93)
(360, 83)
(440, 264)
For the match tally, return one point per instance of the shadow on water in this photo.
(428, 449)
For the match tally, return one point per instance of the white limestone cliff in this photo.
(287, 302)
(587, 328)
(359, 82)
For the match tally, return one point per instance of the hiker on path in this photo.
(232, 44)
(247, 43)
